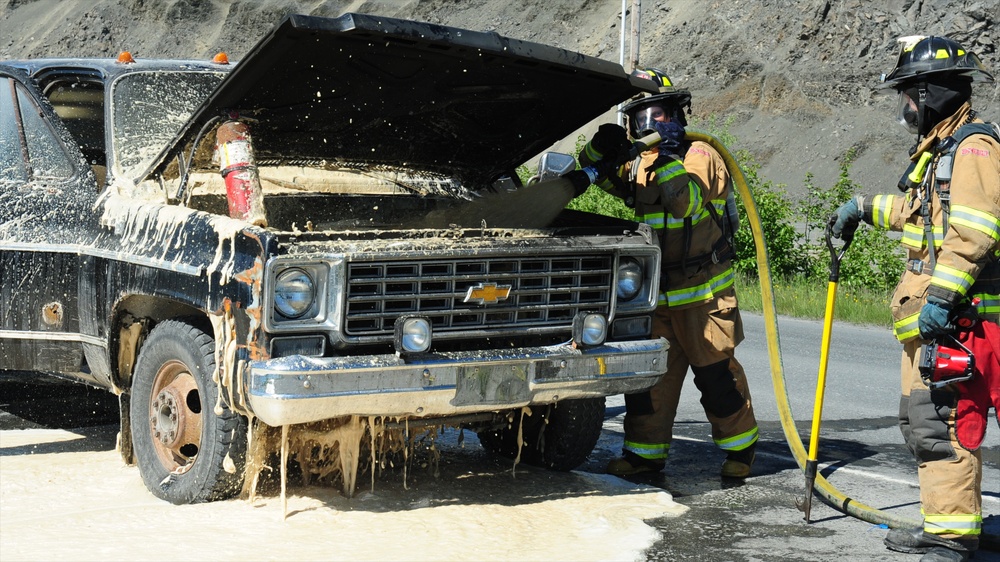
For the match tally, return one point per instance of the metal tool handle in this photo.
(835, 254)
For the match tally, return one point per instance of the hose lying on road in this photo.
(823, 487)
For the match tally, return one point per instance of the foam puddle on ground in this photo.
(87, 505)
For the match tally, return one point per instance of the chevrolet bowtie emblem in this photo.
(487, 293)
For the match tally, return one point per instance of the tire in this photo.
(181, 445)
(573, 428)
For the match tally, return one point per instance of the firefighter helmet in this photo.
(670, 102)
(923, 59)
(934, 77)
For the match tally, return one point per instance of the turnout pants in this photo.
(950, 476)
(703, 338)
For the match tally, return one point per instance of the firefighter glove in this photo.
(845, 221)
(611, 141)
(671, 135)
(935, 319)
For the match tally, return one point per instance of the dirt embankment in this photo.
(793, 78)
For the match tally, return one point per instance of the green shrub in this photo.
(785, 251)
(873, 260)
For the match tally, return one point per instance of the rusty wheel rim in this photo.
(175, 417)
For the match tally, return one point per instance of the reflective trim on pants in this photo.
(652, 451)
(970, 524)
(739, 442)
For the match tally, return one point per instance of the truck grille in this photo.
(544, 292)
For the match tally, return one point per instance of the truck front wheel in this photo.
(557, 436)
(187, 451)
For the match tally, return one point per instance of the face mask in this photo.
(906, 113)
(644, 119)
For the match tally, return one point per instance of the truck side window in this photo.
(48, 159)
(12, 164)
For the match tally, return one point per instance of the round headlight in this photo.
(293, 293)
(595, 329)
(415, 335)
(629, 279)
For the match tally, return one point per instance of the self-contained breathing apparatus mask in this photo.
(907, 112)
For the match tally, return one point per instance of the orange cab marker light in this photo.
(125, 57)
(220, 58)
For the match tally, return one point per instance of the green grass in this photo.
(802, 298)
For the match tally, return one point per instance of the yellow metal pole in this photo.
(824, 356)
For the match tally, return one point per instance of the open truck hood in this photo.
(378, 91)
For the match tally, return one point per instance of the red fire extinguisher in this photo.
(236, 164)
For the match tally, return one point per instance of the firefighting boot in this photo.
(630, 463)
(916, 541)
(738, 463)
(942, 554)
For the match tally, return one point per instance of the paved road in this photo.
(861, 453)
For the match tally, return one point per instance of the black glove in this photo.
(671, 136)
(847, 218)
(611, 141)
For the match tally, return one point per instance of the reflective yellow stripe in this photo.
(964, 524)
(913, 236)
(656, 451)
(695, 201)
(701, 292)
(673, 223)
(976, 220)
(906, 328)
(655, 220)
(881, 210)
(952, 279)
(592, 154)
(988, 304)
(738, 442)
(669, 171)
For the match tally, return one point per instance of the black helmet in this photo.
(672, 100)
(933, 76)
(923, 59)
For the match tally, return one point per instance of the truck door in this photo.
(45, 193)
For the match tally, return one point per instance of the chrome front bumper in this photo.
(299, 389)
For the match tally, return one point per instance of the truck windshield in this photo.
(148, 109)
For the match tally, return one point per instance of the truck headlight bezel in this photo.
(294, 293)
(312, 309)
(637, 282)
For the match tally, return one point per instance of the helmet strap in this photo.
(923, 119)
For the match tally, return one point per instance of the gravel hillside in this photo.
(794, 77)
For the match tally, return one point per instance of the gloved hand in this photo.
(847, 218)
(672, 134)
(935, 319)
(611, 141)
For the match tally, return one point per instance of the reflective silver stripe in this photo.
(976, 220)
(952, 279)
(648, 450)
(738, 442)
(51, 336)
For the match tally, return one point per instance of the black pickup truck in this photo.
(239, 248)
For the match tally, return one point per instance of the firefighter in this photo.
(948, 215)
(681, 190)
